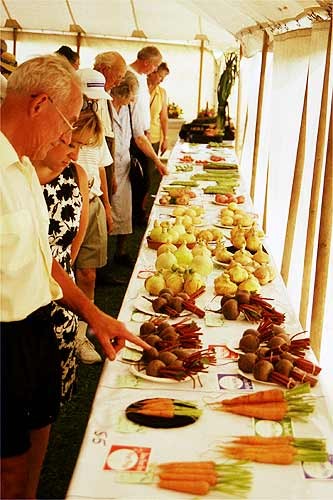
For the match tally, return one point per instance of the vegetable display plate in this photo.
(156, 244)
(218, 263)
(218, 224)
(224, 204)
(177, 420)
(157, 380)
(251, 377)
(146, 307)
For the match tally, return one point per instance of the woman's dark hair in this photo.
(67, 52)
(164, 67)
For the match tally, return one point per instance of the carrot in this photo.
(263, 441)
(258, 397)
(189, 465)
(155, 412)
(193, 487)
(185, 475)
(266, 411)
(281, 455)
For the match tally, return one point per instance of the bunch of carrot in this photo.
(283, 450)
(199, 478)
(272, 404)
(165, 408)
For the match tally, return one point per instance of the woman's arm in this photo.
(84, 190)
(164, 122)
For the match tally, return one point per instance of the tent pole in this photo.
(323, 252)
(265, 44)
(295, 193)
(78, 42)
(202, 43)
(14, 40)
(239, 101)
(264, 221)
(315, 188)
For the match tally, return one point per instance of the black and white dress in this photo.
(64, 202)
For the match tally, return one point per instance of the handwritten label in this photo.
(318, 470)
(100, 437)
(268, 428)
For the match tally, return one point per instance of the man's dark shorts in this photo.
(30, 379)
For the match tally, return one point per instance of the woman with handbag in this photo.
(126, 124)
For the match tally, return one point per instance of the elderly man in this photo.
(42, 103)
(147, 61)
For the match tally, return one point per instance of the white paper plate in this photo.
(142, 374)
(225, 204)
(218, 263)
(223, 226)
(144, 306)
(251, 377)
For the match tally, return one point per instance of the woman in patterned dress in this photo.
(66, 193)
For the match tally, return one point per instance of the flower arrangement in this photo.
(174, 111)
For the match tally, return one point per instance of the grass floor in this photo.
(67, 433)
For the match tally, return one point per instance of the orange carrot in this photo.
(190, 465)
(193, 487)
(281, 455)
(157, 412)
(186, 475)
(265, 411)
(263, 441)
(258, 397)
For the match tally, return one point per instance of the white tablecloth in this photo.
(111, 441)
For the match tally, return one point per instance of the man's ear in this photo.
(37, 104)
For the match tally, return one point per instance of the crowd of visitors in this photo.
(65, 186)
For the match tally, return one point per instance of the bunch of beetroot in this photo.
(175, 350)
(254, 308)
(274, 356)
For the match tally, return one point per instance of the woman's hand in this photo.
(164, 146)
(109, 221)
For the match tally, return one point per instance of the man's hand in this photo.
(161, 167)
(111, 334)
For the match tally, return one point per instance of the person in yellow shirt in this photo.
(41, 106)
(158, 119)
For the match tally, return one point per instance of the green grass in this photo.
(67, 433)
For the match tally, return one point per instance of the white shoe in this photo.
(86, 352)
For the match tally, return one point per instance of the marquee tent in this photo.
(283, 104)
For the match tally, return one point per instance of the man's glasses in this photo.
(60, 113)
(89, 104)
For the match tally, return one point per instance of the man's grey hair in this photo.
(149, 52)
(111, 59)
(127, 87)
(50, 74)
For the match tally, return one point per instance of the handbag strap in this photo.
(130, 115)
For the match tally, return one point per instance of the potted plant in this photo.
(226, 82)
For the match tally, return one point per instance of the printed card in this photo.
(319, 471)
(127, 458)
(232, 381)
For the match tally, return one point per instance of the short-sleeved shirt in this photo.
(143, 99)
(156, 104)
(91, 159)
(26, 283)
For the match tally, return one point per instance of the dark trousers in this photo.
(140, 185)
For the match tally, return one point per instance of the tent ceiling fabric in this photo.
(177, 20)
